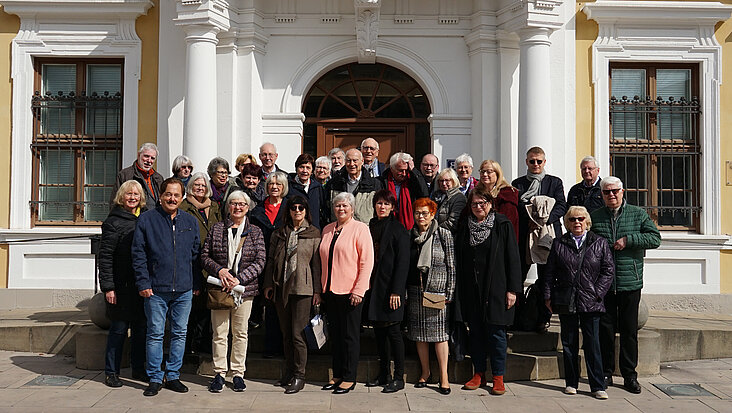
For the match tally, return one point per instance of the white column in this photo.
(199, 113)
(535, 115)
(485, 96)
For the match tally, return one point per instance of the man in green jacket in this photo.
(630, 232)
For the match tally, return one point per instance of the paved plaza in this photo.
(33, 382)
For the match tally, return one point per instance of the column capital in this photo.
(201, 33)
(530, 13)
(534, 36)
(203, 13)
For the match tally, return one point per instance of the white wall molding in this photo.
(664, 31)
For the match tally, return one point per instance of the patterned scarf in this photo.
(535, 186)
(480, 231)
(424, 261)
(291, 251)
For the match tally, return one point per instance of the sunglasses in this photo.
(576, 219)
(613, 191)
(536, 161)
(297, 207)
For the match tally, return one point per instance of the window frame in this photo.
(652, 140)
(78, 140)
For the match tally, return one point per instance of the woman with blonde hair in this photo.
(505, 197)
(450, 201)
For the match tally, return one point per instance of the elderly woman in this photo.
(234, 252)
(322, 169)
(244, 159)
(198, 203)
(505, 197)
(431, 279)
(292, 282)
(488, 280)
(248, 181)
(269, 215)
(182, 168)
(117, 280)
(388, 288)
(450, 201)
(464, 167)
(347, 255)
(221, 187)
(579, 272)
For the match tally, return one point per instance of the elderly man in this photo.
(630, 232)
(268, 156)
(370, 151)
(429, 168)
(587, 193)
(537, 182)
(164, 250)
(401, 181)
(142, 171)
(357, 181)
(337, 159)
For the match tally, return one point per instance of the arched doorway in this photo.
(356, 101)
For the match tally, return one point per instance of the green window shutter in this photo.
(100, 173)
(674, 83)
(58, 115)
(56, 185)
(102, 117)
(628, 124)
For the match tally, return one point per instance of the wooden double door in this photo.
(392, 137)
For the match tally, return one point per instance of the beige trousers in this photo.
(238, 318)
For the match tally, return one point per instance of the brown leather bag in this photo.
(219, 299)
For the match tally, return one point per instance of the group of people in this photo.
(397, 246)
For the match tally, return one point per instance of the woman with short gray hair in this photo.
(322, 169)
(221, 187)
(182, 168)
(464, 168)
(450, 201)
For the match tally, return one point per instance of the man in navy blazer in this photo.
(538, 182)
(370, 150)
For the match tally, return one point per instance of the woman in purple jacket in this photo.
(579, 272)
(234, 252)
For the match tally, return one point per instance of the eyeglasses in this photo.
(429, 165)
(536, 161)
(576, 219)
(238, 204)
(487, 171)
(222, 173)
(588, 168)
(297, 207)
(614, 191)
(368, 148)
(421, 213)
(187, 167)
(480, 204)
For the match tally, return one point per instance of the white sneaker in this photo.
(600, 394)
(570, 390)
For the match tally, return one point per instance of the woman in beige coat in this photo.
(292, 282)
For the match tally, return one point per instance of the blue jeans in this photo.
(482, 337)
(115, 345)
(157, 306)
(590, 324)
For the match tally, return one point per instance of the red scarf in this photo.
(404, 209)
(147, 176)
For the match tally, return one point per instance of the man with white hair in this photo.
(268, 156)
(405, 185)
(630, 232)
(587, 193)
(337, 159)
(142, 171)
(356, 181)
(370, 151)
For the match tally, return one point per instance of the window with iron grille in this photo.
(654, 140)
(77, 139)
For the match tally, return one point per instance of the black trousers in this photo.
(389, 343)
(590, 324)
(344, 325)
(293, 319)
(621, 316)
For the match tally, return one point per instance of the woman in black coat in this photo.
(117, 281)
(579, 272)
(488, 280)
(388, 285)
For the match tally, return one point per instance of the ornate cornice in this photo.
(657, 13)
(523, 14)
(78, 9)
(203, 12)
(367, 29)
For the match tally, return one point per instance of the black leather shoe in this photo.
(632, 385)
(176, 386)
(380, 381)
(152, 389)
(331, 386)
(284, 381)
(443, 390)
(140, 375)
(341, 390)
(112, 380)
(423, 384)
(295, 386)
(394, 386)
(608, 381)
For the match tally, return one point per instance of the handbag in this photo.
(218, 299)
(437, 301)
(316, 332)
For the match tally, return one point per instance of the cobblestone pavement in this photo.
(31, 382)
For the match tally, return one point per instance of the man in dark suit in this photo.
(370, 151)
(587, 192)
(538, 182)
